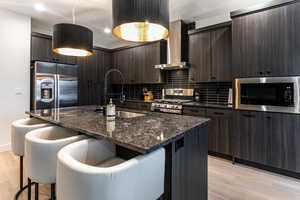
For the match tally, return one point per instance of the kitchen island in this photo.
(135, 132)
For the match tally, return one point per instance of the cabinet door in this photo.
(200, 57)
(294, 26)
(221, 55)
(247, 50)
(91, 77)
(250, 141)
(278, 45)
(262, 43)
(220, 129)
(131, 72)
(152, 57)
(213, 129)
(87, 74)
(64, 59)
(41, 49)
(284, 148)
(118, 63)
(83, 83)
(194, 111)
(104, 61)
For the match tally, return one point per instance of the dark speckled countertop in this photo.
(142, 134)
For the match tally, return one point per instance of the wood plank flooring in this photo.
(226, 182)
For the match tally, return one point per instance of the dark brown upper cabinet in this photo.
(265, 42)
(137, 63)
(91, 73)
(210, 54)
(41, 50)
(221, 54)
(200, 57)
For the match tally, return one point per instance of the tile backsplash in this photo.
(136, 91)
(214, 93)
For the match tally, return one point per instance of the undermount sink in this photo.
(127, 115)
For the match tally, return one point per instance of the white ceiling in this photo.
(97, 14)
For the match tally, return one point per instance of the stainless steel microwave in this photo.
(273, 94)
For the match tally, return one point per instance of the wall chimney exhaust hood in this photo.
(177, 47)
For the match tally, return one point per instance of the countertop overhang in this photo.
(141, 134)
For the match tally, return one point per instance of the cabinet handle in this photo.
(213, 78)
(218, 113)
(261, 73)
(269, 117)
(268, 72)
(90, 85)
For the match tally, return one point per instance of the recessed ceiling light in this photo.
(107, 30)
(39, 7)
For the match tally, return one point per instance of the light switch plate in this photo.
(19, 91)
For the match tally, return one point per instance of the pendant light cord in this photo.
(74, 11)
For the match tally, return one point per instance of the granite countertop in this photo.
(205, 105)
(142, 134)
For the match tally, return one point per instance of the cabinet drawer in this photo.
(131, 105)
(194, 111)
(145, 106)
(218, 113)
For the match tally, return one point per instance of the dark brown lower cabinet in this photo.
(194, 111)
(249, 136)
(219, 131)
(284, 146)
(270, 139)
(136, 105)
(189, 167)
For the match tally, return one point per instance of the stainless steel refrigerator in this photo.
(54, 85)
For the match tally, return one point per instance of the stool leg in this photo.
(36, 191)
(21, 172)
(53, 195)
(29, 189)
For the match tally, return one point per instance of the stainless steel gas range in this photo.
(174, 101)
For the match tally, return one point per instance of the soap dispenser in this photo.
(111, 111)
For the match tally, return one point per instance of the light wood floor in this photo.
(226, 182)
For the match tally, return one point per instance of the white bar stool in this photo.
(90, 170)
(19, 129)
(41, 148)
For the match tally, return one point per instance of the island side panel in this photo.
(189, 166)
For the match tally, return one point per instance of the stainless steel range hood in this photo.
(177, 47)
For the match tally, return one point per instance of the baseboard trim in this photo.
(5, 147)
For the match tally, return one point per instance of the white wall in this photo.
(14, 71)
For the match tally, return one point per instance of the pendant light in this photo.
(72, 39)
(141, 20)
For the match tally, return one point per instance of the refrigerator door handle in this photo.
(57, 91)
